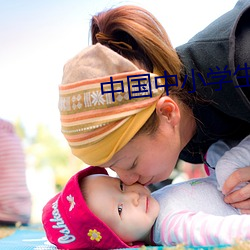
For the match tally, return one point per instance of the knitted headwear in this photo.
(104, 101)
(69, 223)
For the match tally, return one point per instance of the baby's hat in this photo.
(69, 223)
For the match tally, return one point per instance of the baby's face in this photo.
(130, 211)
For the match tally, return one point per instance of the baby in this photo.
(96, 211)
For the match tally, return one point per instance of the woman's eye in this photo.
(120, 206)
(121, 186)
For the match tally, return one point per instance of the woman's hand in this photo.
(241, 197)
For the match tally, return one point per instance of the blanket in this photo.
(33, 237)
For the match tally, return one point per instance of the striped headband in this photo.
(104, 101)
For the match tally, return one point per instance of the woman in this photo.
(132, 136)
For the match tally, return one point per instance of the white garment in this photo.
(194, 212)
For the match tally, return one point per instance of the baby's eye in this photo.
(120, 206)
(121, 185)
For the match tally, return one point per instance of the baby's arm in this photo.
(201, 229)
(237, 157)
(214, 153)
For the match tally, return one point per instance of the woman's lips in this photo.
(148, 183)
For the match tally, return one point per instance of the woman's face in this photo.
(148, 159)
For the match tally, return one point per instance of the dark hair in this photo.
(137, 35)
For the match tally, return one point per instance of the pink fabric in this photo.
(15, 200)
(201, 229)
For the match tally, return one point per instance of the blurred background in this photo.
(36, 40)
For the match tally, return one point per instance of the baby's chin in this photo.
(153, 207)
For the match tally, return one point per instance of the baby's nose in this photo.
(133, 197)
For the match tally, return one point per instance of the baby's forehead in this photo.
(95, 182)
(99, 183)
(99, 177)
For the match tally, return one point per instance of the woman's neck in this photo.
(187, 125)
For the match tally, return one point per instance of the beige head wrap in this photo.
(95, 125)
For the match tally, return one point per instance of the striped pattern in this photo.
(87, 116)
(15, 201)
(201, 229)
